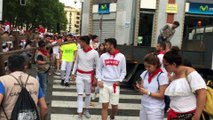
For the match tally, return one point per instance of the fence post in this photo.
(2, 66)
(16, 41)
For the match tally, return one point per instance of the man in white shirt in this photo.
(87, 60)
(94, 42)
(110, 74)
(56, 52)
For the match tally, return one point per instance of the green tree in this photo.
(49, 13)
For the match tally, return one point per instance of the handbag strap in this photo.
(186, 73)
(4, 111)
(21, 83)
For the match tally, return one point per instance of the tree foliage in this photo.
(49, 13)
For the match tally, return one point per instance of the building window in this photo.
(77, 31)
(78, 18)
(78, 13)
(77, 22)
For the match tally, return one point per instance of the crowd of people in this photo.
(101, 67)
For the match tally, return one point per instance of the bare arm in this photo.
(1, 98)
(43, 108)
(201, 101)
(160, 94)
(156, 95)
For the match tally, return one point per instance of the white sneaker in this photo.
(87, 114)
(94, 96)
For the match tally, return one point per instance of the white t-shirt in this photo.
(86, 61)
(148, 101)
(160, 57)
(55, 48)
(181, 92)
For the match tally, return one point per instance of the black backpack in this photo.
(25, 108)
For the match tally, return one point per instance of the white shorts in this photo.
(56, 55)
(66, 65)
(83, 83)
(107, 94)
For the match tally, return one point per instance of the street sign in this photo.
(171, 8)
(1, 9)
(23, 2)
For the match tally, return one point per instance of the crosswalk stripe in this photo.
(64, 100)
(122, 96)
(93, 117)
(73, 87)
(73, 104)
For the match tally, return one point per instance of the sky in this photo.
(71, 3)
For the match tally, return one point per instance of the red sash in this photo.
(172, 114)
(92, 73)
(114, 87)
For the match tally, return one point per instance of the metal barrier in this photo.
(16, 49)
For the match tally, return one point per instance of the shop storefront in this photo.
(147, 11)
(199, 14)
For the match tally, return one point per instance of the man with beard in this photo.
(110, 74)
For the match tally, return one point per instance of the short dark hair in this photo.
(70, 35)
(41, 43)
(173, 56)
(162, 45)
(94, 37)
(16, 63)
(111, 41)
(85, 39)
(152, 59)
(176, 23)
(59, 37)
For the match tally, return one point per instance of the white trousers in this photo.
(83, 83)
(66, 68)
(151, 113)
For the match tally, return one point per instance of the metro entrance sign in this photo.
(1, 9)
(104, 8)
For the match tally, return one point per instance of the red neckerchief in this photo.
(114, 53)
(162, 52)
(153, 74)
(44, 52)
(87, 50)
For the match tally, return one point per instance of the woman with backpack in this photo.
(187, 89)
(152, 86)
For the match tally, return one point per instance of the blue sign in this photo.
(201, 8)
(104, 8)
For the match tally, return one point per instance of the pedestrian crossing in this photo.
(64, 103)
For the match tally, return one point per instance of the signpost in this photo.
(1, 10)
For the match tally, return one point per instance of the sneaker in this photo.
(62, 82)
(94, 96)
(80, 117)
(87, 114)
(67, 84)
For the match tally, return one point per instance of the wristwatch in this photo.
(149, 93)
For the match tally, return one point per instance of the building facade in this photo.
(73, 16)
